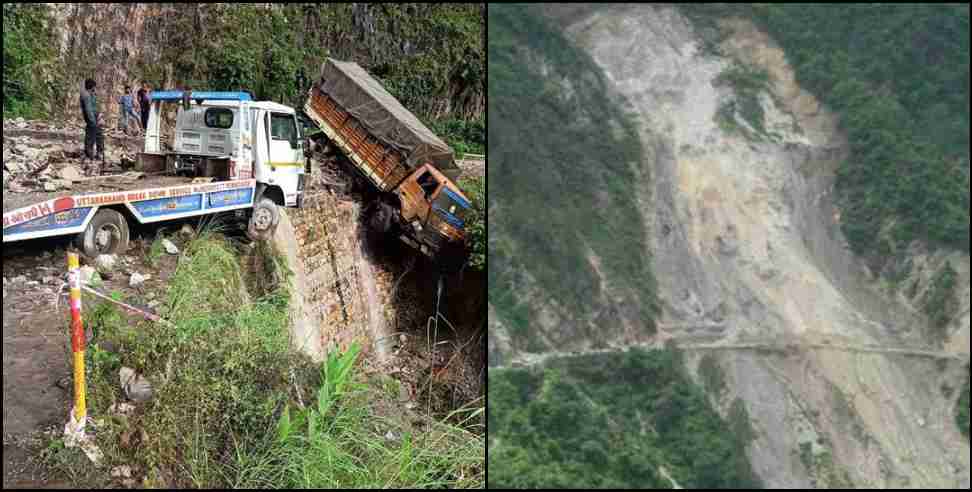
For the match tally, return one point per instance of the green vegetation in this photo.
(747, 83)
(908, 175)
(610, 421)
(824, 472)
(465, 137)
(740, 423)
(475, 188)
(713, 379)
(565, 172)
(155, 252)
(962, 413)
(235, 407)
(429, 56)
(28, 52)
(939, 302)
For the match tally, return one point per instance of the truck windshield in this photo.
(282, 127)
(451, 206)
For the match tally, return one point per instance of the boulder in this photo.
(71, 173)
(26, 151)
(136, 280)
(169, 247)
(106, 263)
(90, 276)
(136, 387)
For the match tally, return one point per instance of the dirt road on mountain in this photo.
(35, 357)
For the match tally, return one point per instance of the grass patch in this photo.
(155, 252)
(235, 406)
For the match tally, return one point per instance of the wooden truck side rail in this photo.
(384, 166)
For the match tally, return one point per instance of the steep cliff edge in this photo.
(746, 245)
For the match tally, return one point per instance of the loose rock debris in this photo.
(169, 247)
(49, 159)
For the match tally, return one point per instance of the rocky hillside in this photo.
(430, 56)
(734, 188)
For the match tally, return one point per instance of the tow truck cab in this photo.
(228, 136)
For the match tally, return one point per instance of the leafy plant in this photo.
(28, 54)
(476, 224)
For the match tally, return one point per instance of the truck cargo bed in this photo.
(378, 122)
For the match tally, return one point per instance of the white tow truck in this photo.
(226, 153)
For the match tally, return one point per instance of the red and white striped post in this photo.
(80, 413)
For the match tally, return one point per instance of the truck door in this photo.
(244, 161)
(285, 145)
(429, 185)
(261, 148)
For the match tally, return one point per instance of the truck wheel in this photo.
(107, 234)
(264, 220)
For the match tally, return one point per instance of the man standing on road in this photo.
(143, 104)
(93, 134)
(127, 110)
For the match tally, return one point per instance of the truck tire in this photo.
(106, 234)
(263, 220)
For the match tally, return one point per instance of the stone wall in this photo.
(340, 296)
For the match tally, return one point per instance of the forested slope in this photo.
(898, 75)
(631, 420)
(565, 165)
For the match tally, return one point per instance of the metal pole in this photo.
(77, 339)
